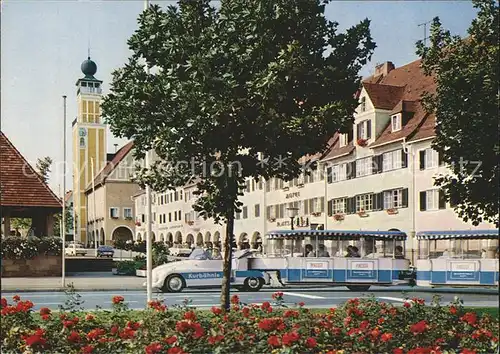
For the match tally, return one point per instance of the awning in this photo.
(336, 234)
(460, 234)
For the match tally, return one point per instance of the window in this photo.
(339, 172)
(169, 217)
(245, 212)
(180, 195)
(237, 216)
(396, 122)
(339, 206)
(362, 105)
(253, 185)
(247, 186)
(364, 167)
(432, 199)
(143, 218)
(176, 196)
(364, 202)
(175, 216)
(127, 213)
(257, 210)
(431, 158)
(260, 184)
(180, 214)
(113, 213)
(393, 199)
(343, 140)
(364, 130)
(392, 160)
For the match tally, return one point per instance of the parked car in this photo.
(75, 249)
(105, 251)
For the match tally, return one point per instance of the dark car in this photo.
(105, 251)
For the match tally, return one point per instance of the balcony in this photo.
(90, 90)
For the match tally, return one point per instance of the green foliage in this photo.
(68, 221)
(127, 267)
(43, 167)
(28, 248)
(230, 87)
(20, 223)
(73, 302)
(466, 102)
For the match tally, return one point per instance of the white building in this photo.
(378, 177)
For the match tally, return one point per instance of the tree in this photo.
(43, 167)
(68, 221)
(466, 101)
(231, 91)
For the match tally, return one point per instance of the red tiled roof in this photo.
(383, 96)
(426, 130)
(335, 150)
(20, 184)
(111, 165)
(68, 196)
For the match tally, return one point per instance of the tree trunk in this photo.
(226, 270)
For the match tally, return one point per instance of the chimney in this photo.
(384, 68)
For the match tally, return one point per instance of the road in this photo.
(312, 297)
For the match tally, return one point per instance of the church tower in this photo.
(89, 142)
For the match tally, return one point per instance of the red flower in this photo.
(114, 330)
(68, 324)
(157, 305)
(311, 342)
(95, 334)
(45, 317)
(397, 351)
(176, 350)
(190, 316)
(453, 310)
(235, 299)
(291, 313)
(273, 341)
(386, 337)
(118, 299)
(364, 324)
(89, 317)
(375, 333)
(216, 310)
(470, 318)
(270, 324)
(420, 350)
(87, 349)
(418, 301)
(289, 338)
(467, 351)
(170, 340)
(418, 327)
(407, 304)
(35, 340)
(302, 304)
(133, 325)
(74, 337)
(215, 339)
(16, 298)
(127, 333)
(4, 303)
(154, 348)
(277, 296)
(380, 321)
(45, 311)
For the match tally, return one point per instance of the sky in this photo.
(43, 43)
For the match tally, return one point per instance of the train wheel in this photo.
(253, 284)
(173, 284)
(358, 287)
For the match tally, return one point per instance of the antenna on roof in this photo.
(425, 31)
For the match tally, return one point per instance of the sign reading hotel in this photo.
(361, 270)
(292, 195)
(316, 270)
(463, 270)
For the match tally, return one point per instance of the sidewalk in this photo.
(81, 282)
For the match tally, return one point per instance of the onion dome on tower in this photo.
(89, 68)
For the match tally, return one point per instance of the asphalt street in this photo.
(203, 299)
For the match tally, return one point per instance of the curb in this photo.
(304, 290)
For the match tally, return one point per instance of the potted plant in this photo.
(316, 213)
(137, 223)
(272, 219)
(190, 222)
(339, 217)
(361, 142)
(362, 213)
(392, 211)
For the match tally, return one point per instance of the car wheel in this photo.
(253, 284)
(173, 284)
(358, 287)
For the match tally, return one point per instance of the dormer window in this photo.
(364, 130)
(396, 122)
(363, 104)
(343, 140)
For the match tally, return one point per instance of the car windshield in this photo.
(201, 254)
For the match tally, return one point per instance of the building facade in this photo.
(379, 176)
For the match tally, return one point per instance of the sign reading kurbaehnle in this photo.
(361, 270)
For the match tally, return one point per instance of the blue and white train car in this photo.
(458, 258)
(380, 261)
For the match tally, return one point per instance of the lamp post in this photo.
(63, 222)
(292, 213)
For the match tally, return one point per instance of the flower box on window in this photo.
(190, 222)
(286, 188)
(392, 211)
(137, 223)
(128, 218)
(316, 213)
(339, 217)
(362, 214)
(272, 219)
(362, 142)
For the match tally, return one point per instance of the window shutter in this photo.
(404, 159)
(329, 175)
(351, 170)
(375, 164)
(422, 160)
(380, 162)
(405, 198)
(322, 206)
(268, 186)
(330, 207)
(440, 159)
(306, 207)
(423, 200)
(348, 208)
(358, 129)
(442, 200)
(368, 129)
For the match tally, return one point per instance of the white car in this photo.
(75, 249)
(199, 270)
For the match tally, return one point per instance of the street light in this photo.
(292, 213)
(63, 223)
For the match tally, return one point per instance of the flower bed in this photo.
(360, 326)
(29, 248)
